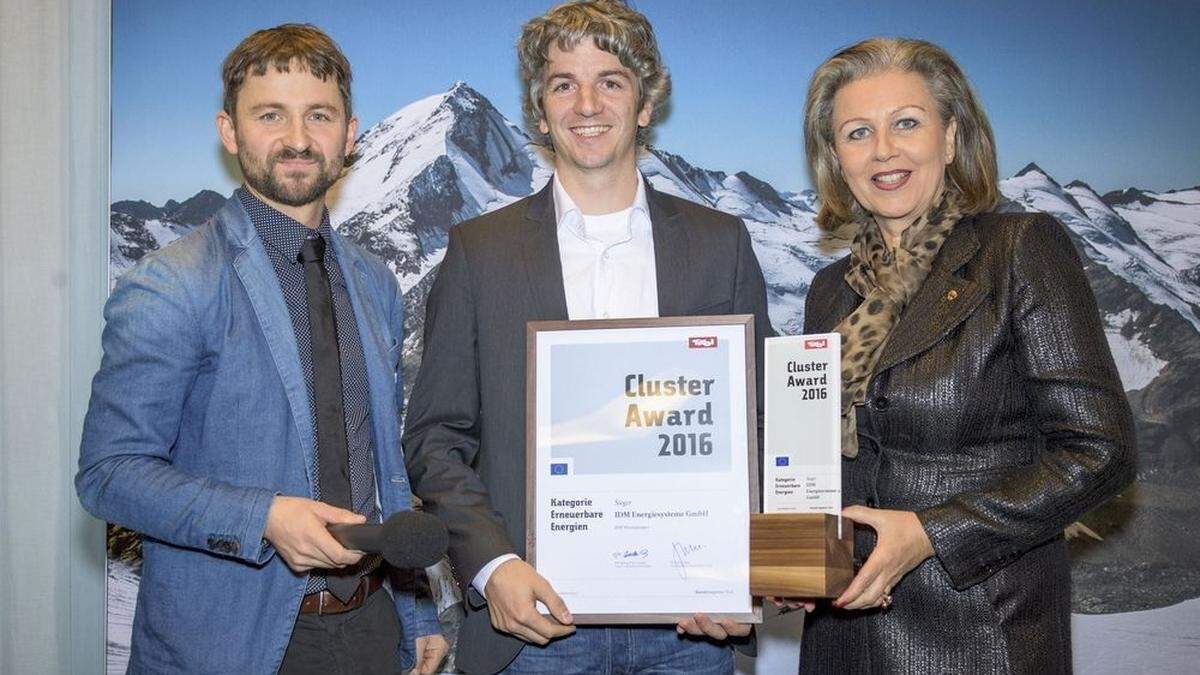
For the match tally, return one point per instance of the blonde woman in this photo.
(982, 411)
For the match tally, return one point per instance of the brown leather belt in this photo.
(325, 602)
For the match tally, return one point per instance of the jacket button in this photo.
(951, 295)
(881, 403)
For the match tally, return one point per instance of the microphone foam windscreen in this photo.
(413, 539)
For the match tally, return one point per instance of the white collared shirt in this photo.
(608, 273)
(607, 260)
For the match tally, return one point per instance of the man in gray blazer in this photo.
(597, 242)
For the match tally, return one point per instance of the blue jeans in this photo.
(648, 650)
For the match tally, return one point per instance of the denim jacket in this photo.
(199, 416)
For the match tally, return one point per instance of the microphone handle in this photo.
(367, 538)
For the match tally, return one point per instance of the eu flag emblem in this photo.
(558, 469)
(781, 461)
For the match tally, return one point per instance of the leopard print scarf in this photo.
(886, 280)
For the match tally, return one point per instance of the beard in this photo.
(290, 189)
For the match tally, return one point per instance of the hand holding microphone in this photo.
(297, 528)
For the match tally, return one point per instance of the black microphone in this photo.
(407, 539)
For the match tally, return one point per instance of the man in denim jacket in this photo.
(204, 434)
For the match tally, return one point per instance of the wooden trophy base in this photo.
(800, 555)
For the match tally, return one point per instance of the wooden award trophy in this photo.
(800, 555)
(797, 549)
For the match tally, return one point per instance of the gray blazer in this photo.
(464, 435)
(996, 414)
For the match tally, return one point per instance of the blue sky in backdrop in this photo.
(1107, 92)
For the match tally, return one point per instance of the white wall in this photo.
(54, 64)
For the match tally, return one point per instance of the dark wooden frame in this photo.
(531, 330)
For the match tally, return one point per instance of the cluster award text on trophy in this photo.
(799, 545)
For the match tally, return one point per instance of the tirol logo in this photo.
(816, 343)
(709, 342)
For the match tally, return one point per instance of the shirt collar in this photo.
(567, 213)
(280, 231)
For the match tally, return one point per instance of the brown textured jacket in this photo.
(996, 414)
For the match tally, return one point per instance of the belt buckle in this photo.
(351, 602)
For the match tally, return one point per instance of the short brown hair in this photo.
(973, 172)
(277, 48)
(615, 28)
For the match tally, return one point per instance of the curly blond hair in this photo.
(616, 29)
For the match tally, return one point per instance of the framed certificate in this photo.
(641, 469)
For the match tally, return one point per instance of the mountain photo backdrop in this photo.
(431, 161)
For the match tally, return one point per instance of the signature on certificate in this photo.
(631, 554)
(680, 554)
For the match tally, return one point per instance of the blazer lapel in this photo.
(542, 261)
(374, 336)
(942, 302)
(366, 313)
(671, 254)
(254, 270)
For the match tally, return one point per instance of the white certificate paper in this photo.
(640, 476)
(802, 458)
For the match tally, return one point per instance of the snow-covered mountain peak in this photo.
(1108, 238)
(1183, 195)
(1127, 197)
(767, 195)
(1035, 190)
(1104, 219)
(192, 211)
(1134, 197)
(396, 150)
(1168, 221)
(1033, 176)
(431, 164)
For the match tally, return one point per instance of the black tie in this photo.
(332, 453)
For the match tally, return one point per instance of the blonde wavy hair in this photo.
(616, 29)
(972, 173)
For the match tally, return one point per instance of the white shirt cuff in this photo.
(485, 573)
